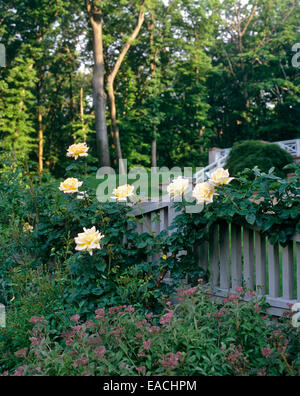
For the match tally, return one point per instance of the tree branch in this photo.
(127, 46)
(249, 19)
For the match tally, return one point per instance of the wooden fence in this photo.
(238, 256)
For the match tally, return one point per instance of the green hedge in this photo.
(265, 156)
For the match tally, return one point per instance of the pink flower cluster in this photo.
(100, 313)
(153, 329)
(21, 353)
(80, 362)
(75, 318)
(239, 289)
(100, 351)
(117, 332)
(266, 352)
(147, 344)
(141, 370)
(236, 359)
(78, 331)
(172, 360)
(186, 293)
(167, 318)
(37, 319)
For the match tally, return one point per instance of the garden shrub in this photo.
(55, 219)
(197, 336)
(265, 156)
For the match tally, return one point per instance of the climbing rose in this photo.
(178, 187)
(78, 150)
(123, 192)
(220, 177)
(27, 228)
(88, 240)
(70, 185)
(204, 192)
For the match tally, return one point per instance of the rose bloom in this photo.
(70, 185)
(220, 177)
(178, 187)
(27, 228)
(123, 192)
(78, 150)
(204, 192)
(88, 240)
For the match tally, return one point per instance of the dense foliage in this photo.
(253, 153)
(42, 274)
(195, 336)
(200, 74)
(85, 291)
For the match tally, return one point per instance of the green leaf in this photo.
(250, 218)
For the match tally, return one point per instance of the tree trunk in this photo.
(114, 125)
(41, 141)
(99, 95)
(71, 100)
(82, 114)
(110, 86)
(40, 118)
(153, 69)
(154, 154)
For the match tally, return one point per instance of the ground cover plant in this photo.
(195, 336)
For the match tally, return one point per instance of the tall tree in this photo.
(94, 9)
(253, 77)
(16, 97)
(111, 80)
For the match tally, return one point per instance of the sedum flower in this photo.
(178, 187)
(78, 150)
(123, 192)
(204, 193)
(88, 240)
(70, 185)
(220, 177)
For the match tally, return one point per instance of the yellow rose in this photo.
(178, 187)
(220, 177)
(27, 228)
(70, 185)
(88, 240)
(123, 192)
(78, 150)
(204, 192)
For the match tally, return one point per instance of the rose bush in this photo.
(259, 199)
